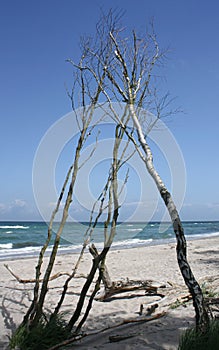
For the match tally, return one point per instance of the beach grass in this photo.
(43, 336)
(193, 339)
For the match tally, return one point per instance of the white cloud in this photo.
(13, 210)
(214, 205)
(18, 203)
(187, 205)
(2, 207)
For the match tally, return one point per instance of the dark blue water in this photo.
(26, 238)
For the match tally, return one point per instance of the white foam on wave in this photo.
(132, 242)
(7, 251)
(134, 229)
(203, 235)
(127, 242)
(15, 227)
(6, 246)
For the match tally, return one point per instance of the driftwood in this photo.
(117, 338)
(213, 301)
(126, 321)
(151, 309)
(150, 288)
(53, 277)
(213, 306)
(113, 288)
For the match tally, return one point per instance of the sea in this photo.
(25, 239)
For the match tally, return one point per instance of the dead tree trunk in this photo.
(131, 77)
(105, 274)
(77, 312)
(191, 282)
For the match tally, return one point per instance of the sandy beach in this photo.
(157, 263)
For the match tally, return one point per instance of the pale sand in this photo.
(157, 263)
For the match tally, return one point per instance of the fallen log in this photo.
(150, 287)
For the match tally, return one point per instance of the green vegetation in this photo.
(192, 339)
(208, 291)
(178, 303)
(42, 337)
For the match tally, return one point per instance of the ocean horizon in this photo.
(25, 238)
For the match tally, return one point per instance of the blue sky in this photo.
(36, 37)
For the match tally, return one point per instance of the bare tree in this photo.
(112, 68)
(88, 85)
(84, 97)
(132, 63)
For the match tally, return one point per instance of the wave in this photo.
(9, 232)
(135, 242)
(6, 251)
(134, 229)
(132, 242)
(203, 235)
(26, 245)
(27, 249)
(6, 246)
(15, 227)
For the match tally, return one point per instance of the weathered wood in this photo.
(126, 321)
(33, 280)
(134, 99)
(213, 301)
(105, 273)
(150, 310)
(129, 286)
(117, 338)
(20, 280)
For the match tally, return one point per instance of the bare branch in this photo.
(90, 155)
(25, 281)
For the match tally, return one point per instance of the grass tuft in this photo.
(41, 337)
(208, 291)
(193, 339)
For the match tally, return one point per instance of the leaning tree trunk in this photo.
(202, 318)
(129, 77)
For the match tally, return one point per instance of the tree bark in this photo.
(202, 318)
(105, 273)
(77, 312)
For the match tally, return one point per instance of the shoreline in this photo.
(67, 250)
(151, 262)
